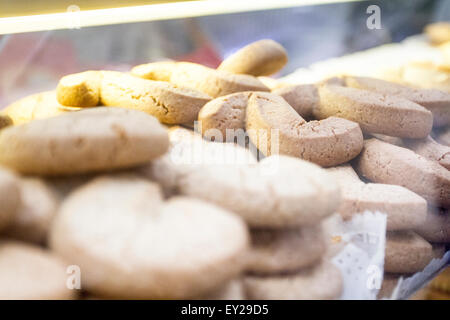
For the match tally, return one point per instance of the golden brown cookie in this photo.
(285, 250)
(375, 113)
(79, 89)
(5, 121)
(404, 208)
(406, 252)
(386, 163)
(438, 102)
(259, 58)
(36, 106)
(130, 244)
(438, 32)
(275, 127)
(213, 82)
(320, 282)
(303, 98)
(89, 140)
(31, 273)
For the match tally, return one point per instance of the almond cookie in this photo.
(35, 213)
(284, 250)
(130, 244)
(84, 141)
(438, 102)
(189, 151)
(36, 106)
(279, 191)
(5, 121)
(9, 197)
(260, 58)
(406, 252)
(169, 103)
(375, 113)
(430, 149)
(275, 127)
(320, 282)
(404, 208)
(386, 163)
(436, 227)
(31, 273)
(226, 112)
(213, 82)
(303, 98)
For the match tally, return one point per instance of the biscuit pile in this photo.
(93, 180)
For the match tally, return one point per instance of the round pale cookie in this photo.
(224, 114)
(438, 32)
(89, 140)
(79, 89)
(36, 106)
(9, 197)
(437, 101)
(279, 191)
(436, 227)
(284, 250)
(275, 127)
(386, 163)
(344, 174)
(5, 121)
(406, 252)
(273, 83)
(35, 213)
(443, 136)
(430, 149)
(31, 273)
(189, 151)
(320, 282)
(169, 103)
(303, 98)
(213, 82)
(259, 58)
(130, 244)
(375, 113)
(426, 74)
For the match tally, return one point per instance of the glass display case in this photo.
(386, 230)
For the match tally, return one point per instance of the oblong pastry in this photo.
(375, 113)
(36, 106)
(320, 282)
(436, 227)
(129, 243)
(404, 208)
(259, 58)
(437, 101)
(284, 250)
(273, 124)
(277, 192)
(167, 102)
(303, 98)
(406, 252)
(213, 82)
(430, 149)
(90, 140)
(386, 163)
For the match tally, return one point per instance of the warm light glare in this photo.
(161, 11)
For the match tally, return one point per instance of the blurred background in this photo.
(310, 31)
